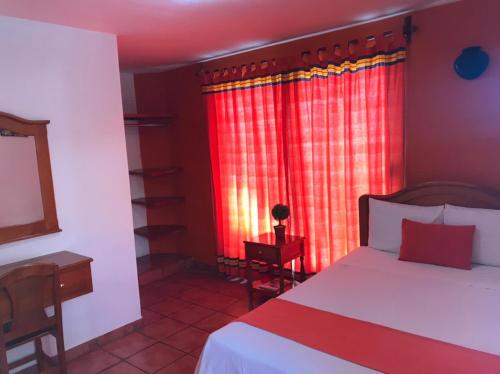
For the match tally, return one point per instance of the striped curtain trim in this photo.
(316, 71)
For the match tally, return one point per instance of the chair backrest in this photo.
(25, 292)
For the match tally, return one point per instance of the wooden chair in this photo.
(25, 292)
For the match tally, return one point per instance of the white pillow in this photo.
(385, 222)
(486, 245)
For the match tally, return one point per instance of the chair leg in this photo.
(61, 354)
(4, 365)
(40, 359)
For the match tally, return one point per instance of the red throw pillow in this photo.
(443, 245)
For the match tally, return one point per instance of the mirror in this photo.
(20, 194)
(27, 205)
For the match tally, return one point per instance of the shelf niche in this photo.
(157, 231)
(147, 120)
(159, 200)
(155, 172)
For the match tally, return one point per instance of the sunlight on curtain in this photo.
(344, 140)
(316, 138)
(245, 136)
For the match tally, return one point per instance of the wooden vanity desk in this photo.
(74, 271)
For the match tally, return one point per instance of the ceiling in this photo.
(157, 33)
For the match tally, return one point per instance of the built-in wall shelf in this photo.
(156, 231)
(156, 172)
(161, 236)
(154, 267)
(145, 120)
(159, 200)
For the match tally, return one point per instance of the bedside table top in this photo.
(270, 239)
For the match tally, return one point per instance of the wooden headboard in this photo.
(428, 194)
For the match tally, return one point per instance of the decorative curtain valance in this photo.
(315, 133)
(353, 57)
(349, 65)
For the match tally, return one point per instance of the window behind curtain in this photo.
(315, 138)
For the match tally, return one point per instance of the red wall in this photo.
(184, 144)
(452, 125)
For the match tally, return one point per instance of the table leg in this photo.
(249, 285)
(282, 280)
(302, 267)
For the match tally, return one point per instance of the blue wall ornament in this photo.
(471, 63)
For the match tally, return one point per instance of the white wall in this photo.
(134, 161)
(71, 77)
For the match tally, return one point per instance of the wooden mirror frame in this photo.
(49, 225)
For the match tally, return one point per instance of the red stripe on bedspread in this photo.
(367, 344)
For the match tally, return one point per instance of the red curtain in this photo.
(315, 138)
(246, 143)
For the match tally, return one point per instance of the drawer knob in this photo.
(62, 285)
(260, 252)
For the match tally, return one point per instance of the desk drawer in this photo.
(292, 251)
(262, 253)
(75, 281)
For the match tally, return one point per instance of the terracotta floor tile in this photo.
(155, 357)
(171, 287)
(180, 277)
(237, 309)
(214, 285)
(122, 368)
(148, 316)
(162, 328)
(151, 295)
(214, 322)
(191, 314)
(92, 362)
(237, 291)
(128, 345)
(187, 340)
(207, 299)
(150, 276)
(196, 280)
(185, 365)
(217, 302)
(197, 352)
(168, 306)
(194, 294)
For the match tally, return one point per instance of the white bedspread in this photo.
(456, 306)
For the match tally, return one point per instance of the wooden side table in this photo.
(267, 249)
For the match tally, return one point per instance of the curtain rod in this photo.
(348, 26)
(408, 29)
(406, 33)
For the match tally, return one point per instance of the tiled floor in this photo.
(179, 312)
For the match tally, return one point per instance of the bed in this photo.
(449, 305)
